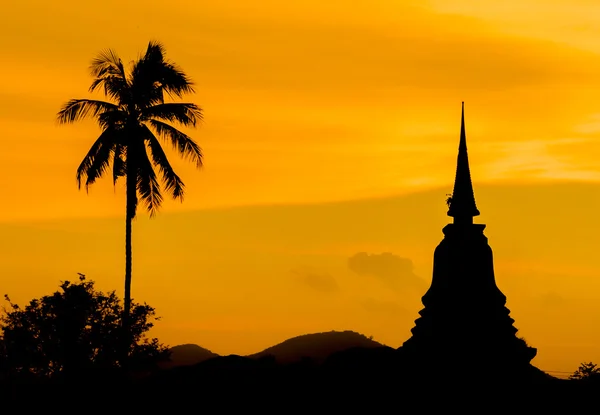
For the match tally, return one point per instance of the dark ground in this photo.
(354, 381)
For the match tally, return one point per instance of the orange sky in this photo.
(306, 103)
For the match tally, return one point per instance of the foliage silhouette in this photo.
(76, 330)
(448, 199)
(130, 124)
(586, 371)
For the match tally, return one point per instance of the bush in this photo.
(76, 329)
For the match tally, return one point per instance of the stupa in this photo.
(465, 318)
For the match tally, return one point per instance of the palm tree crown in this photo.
(133, 123)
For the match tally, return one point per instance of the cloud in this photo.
(318, 281)
(540, 159)
(395, 271)
(551, 300)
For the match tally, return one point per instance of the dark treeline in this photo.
(377, 378)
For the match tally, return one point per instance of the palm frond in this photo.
(88, 160)
(117, 118)
(184, 113)
(155, 52)
(99, 165)
(181, 142)
(109, 73)
(119, 166)
(145, 76)
(152, 75)
(171, 77)
(175, 82)
(146, 182)
(173, 184)
(107, 61)
(98, 158)
(77, 109)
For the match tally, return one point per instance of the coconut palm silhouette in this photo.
(133, 122)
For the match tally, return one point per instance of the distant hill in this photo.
(317, 346)
(188, 354)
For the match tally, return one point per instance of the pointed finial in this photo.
(462, 204)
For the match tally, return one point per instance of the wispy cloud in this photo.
(318, 281)
(393, 270)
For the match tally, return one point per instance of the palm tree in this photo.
(132, 122)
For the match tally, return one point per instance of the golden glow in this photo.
(307, 103)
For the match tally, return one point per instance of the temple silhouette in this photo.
(464, 320)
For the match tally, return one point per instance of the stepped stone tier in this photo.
(464, 316)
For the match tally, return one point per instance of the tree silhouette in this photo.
(75, 330)
(448, 199)
(586, 371)
(130, 126)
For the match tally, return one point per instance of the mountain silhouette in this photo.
(316, 346)
(188, 354)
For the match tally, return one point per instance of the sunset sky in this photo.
(329, 131)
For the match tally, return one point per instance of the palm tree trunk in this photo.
(131, 204)
(127, 296)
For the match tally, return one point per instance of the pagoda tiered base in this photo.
(465, 320)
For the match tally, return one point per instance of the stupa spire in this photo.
(462, 205)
